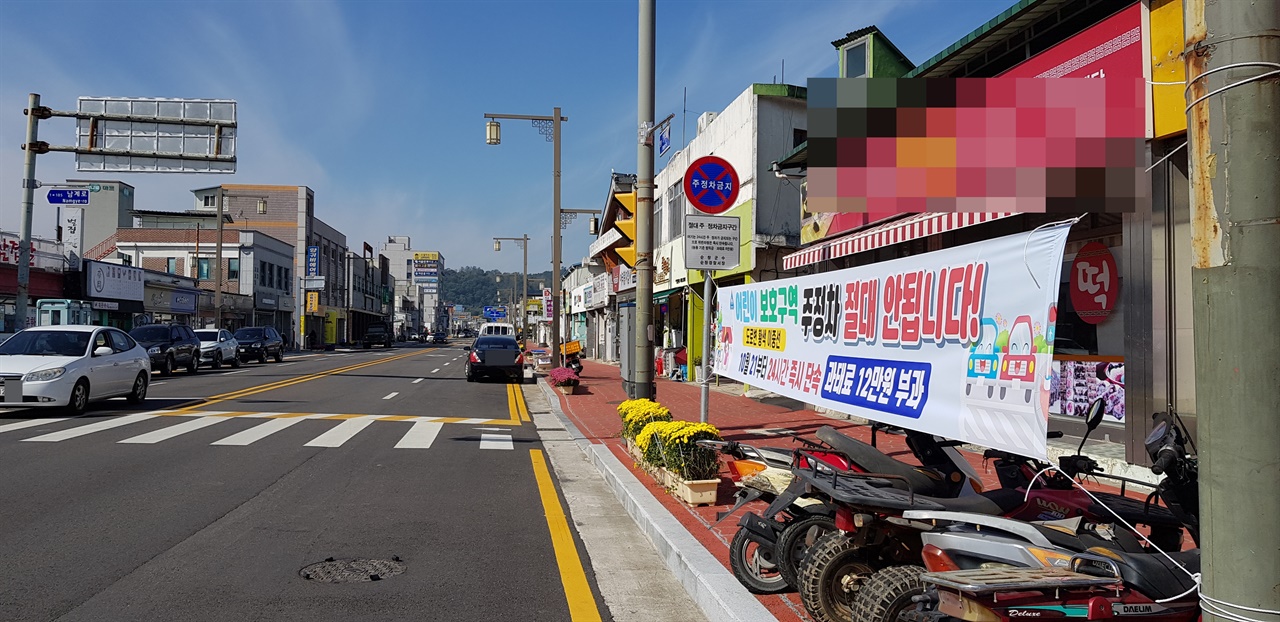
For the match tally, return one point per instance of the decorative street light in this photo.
(523, 242)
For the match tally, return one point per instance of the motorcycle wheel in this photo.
(796, 540)
(830, 575)
(888, 593)
(753, 566)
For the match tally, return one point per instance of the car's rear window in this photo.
(249, 333)
(151, 333)
(207, 335)
(497, 343)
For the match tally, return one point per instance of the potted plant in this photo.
(636, 414)
(564, 379)
(671, 454)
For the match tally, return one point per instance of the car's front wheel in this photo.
(235, 362)
(193, 364)
(139, 392)
(166, 368)
(280, 355)
(217, 360)
(79, 401)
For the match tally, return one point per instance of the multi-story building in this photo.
(369, 295)
(417, 296)
(86, 226)
(258, 282)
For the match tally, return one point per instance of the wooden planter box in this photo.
(567, 389)
(695, 492)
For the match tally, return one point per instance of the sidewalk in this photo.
(593, 410)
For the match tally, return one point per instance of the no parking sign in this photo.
(711, 185)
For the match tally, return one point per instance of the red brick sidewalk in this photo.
(593, 409)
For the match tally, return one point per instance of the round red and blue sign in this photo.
(711, 185)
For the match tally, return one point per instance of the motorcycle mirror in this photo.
(1093, 418)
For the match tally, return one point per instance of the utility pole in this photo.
(217, 267)
(1233, 141)
(28, 202)
(524, 296)
(642, 371)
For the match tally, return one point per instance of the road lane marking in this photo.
(9, 427)
(495, 441)
(156, 384)
(472, 421)
(63, 435)
(577, 592)
(446, 363)
(418, 380)
(231, 373)
(435, 370)
(341, 433)
(173, 430)
(391, 395)
(286, 364)
(420, 436)
(258, 432)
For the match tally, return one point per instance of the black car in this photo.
(170, 346)
(377, 333)
(439, 338)
(495, 355)
(260, 342)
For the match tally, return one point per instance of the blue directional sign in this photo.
(664, 140)
(69, 197)
(495, 313)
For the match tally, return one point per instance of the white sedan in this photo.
(218, 346)
(69, 366)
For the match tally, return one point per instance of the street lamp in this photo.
(523, 242)
(550, 128)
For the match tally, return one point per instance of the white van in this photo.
(507, 330)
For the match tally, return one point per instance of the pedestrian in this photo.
(311, 340)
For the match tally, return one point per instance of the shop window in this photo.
(233, 269)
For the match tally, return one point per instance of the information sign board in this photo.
(153, 135)
(69, 197)
(711, 242)
(313, 260)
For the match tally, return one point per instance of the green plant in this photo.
(648, 442)
(683, 456)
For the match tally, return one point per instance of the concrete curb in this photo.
(716, 592)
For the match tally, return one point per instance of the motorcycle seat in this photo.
(1155, 576)
(875, 461)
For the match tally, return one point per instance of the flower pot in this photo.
(634, 451)
(567, 389)
(692, 492)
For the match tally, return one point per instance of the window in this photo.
(288, 282)
(280, 282)
(271, 275)
(658, 231)
(798, 137)
(120, 342)
(211, 200)
(855, 60)
(202, 268)
(262, 273)
(233, 269)
(171, 265)
(262, 206)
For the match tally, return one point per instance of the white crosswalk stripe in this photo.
(257, 432)
(341, 433)
(495, 441)
(420, 436)
(174, 430)
(63, 435)
(9, 427)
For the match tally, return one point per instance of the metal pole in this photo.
(217, 267)
(524, 298)
(704, 376)
(1233, 146)
(28, 202)
(555, 237)
(642, 381)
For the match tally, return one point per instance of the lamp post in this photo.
(523, 241)
(549, 127)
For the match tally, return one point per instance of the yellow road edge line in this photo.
(339, 417)
(512, 409)
(577, 592)
(398, 418)
(280, 384)
(521, 404)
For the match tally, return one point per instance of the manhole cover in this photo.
(352, 570)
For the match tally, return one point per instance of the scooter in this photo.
(873, 533)
(574, 362)
(789, 535)
(1110, 578)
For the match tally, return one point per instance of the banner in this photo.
(957, 342)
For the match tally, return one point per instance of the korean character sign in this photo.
(956, 342)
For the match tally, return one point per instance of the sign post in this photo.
(710, 243)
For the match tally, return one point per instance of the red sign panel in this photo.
(1110, 49)
(1094, 283)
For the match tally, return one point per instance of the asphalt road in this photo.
(209, 502)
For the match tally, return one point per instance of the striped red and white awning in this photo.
(902, 230)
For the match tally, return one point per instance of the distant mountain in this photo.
(475, 288)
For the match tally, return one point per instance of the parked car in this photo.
(258, 343)
(377, 333)
(495, 355)
(498, 328)
(439, 337)
(170, 346)
(68, 366)
(218, 346)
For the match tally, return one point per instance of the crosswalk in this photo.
(334, 430)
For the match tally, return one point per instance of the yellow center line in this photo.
(577, 592)
(215, 399)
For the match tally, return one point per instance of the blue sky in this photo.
(378, 105)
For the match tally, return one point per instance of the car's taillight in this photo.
(473, 358)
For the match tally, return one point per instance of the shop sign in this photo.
(182, 302)
(426, 256)
(601, 287)
(951, 343)
(548, 303)
(578, 298)
(102, 305)
(313, 260)
(108, 280)
(572, 347)
(266, 302)
(313, 302)
(1094, 283)
(626, 278)
(1111, 48)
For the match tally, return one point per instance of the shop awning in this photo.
(902, 230)
(663, 296)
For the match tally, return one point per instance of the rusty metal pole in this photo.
(1233, 142)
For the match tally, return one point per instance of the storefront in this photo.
(115, 293)
(600, 318)
(166, 301)
(273, 310)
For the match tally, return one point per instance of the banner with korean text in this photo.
(957, 342)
